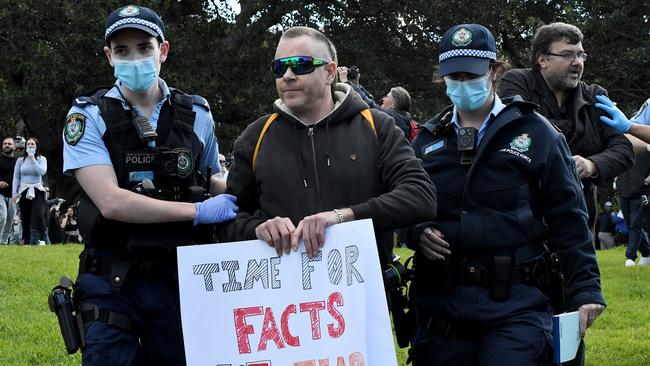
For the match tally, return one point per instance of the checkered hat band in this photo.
(464, 52)
(146, 23)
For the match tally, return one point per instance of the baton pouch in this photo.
(500, 270)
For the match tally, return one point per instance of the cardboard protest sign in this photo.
(241, 304)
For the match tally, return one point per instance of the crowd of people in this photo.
(28, 215)
(507, 173)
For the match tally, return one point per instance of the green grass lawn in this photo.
(29, 333)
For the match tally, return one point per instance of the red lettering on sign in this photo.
(243, 329)
(269, 331)
(284, 325)
(313, 307)
(283, 336)
(332, 299)
(355, 359)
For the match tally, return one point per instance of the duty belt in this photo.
(470, 275)
(118, 269)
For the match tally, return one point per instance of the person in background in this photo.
(634, 183)
(554, 83)
(224, 167)
(54, 231)
(69, 227)
(7, 206)
(28, 189)
(606, 232)
(351, 76)
(397, 104)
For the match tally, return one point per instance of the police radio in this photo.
(143, 128)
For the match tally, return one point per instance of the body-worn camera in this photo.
(467, 137)
(168, 164)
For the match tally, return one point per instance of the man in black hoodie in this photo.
(322, 158)
(7, 207)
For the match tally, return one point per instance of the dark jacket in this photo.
(401, 121)
(630, 184)
(611, 151)
(521, 189)
(7, 164)
(338, 162)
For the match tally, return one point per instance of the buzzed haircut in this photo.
(296, 32)
(547, 34)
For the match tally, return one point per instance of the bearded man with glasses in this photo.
(322, 158)
(599, 152)
(557, 60)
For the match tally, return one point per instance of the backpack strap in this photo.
(271, 119)
(368, 117)
(365, 113)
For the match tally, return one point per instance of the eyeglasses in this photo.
(569, 57)
(222, 161)
(300, 65)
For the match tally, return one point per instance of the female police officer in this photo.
(506, 185)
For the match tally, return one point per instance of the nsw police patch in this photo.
(185, 164)
(75, 125)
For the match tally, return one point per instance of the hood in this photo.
(347, 103)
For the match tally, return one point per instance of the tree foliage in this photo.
(52, 52)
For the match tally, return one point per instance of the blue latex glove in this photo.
(216, 209)
(618, 121)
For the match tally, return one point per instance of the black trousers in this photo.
(32, 213)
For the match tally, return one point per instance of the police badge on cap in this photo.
(467, 48)
(135, 17)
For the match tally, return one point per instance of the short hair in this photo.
(547, 34)
(9, 138)
(296, 32)
(402, 99)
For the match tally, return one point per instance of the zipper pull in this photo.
(304, 181)
(310, 131)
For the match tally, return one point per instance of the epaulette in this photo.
(184, 98)
(199, 100)
(91, 98)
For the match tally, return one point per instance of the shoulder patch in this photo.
(75, 126)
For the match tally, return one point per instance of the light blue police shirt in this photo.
(497, 107)
(642, 116)
(90, 148)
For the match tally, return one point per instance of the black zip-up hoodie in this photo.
(340, 161)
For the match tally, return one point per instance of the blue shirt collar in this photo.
(115, 93)
(497, 107)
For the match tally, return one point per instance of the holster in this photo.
(548, 275)
(62, 303)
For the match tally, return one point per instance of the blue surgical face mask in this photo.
(31, 150)
(468, 95)
(137, 75)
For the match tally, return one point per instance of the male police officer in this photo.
(506, 183)
(141, 152)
